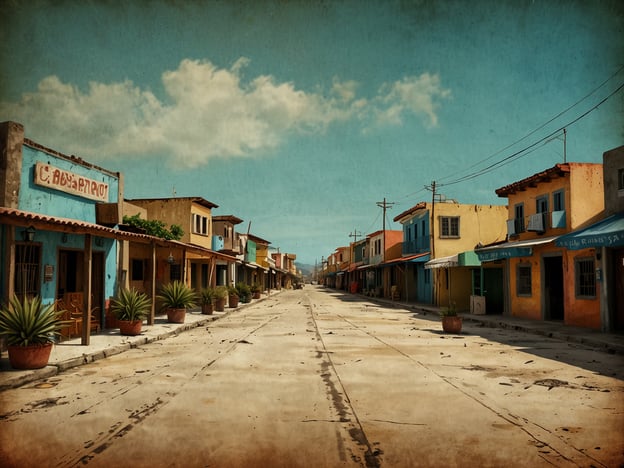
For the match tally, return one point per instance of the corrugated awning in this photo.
(606, 233)
(417, 258)
(523, 248)
(442, 262)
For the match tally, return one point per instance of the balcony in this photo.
(419, 245)
(538, 222)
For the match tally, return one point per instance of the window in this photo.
(200, 224)
(175, 272)
(519, 217)
(558, 200)
(523, 279)
(449, 226)
(27, 267)
(585, 278)
(138, 270)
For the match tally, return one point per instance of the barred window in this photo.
(449, 226)
(138, 269)
(523, 280)
(27, 268)
(585, 277)
(175, 272)
(519, 217)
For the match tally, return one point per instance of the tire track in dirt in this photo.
(105, 440)
(339, 397)
(552, 448)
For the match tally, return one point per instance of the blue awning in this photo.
(606, 233)
(523, 248)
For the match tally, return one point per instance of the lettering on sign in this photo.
(65, 181)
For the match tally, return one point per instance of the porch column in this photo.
(152, 314)
(86, 299)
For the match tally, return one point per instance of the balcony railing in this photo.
(538, 222)
(415, 246)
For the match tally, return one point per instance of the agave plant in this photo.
(29, 322)
(131, 305)
(177, 295)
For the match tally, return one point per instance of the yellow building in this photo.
(439, 265)
(543, 281)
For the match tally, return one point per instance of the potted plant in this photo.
(30, 328)
(220, 296)
(130, 308)
(244, 292)
(232, 297)
(176, 297)
(207, 297)
(451, 322)
(256, 291)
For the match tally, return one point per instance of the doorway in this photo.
(71, 275)
(553, 288)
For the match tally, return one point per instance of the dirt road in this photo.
(316, 378)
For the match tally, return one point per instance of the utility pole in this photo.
(432, 187)
(564, 146)
(384, 205)
(355, 235)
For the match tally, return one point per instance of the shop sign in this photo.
(65, 181)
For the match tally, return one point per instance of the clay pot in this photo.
(176, 315)
(452, 324)
(29, 357)
(207, 309)
(130, 327)
(219, 304)
(233, 301)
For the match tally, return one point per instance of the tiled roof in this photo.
(412, 210)
(545, 176)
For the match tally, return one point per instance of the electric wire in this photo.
(520, 153)
(618, 71)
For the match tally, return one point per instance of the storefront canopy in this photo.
(523, 248)
(442, 262)
(606, 233)
(468, 258)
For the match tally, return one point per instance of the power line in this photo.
(519, 154)
(545, 123)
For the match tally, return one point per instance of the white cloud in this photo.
(418, 95)
(208, 112)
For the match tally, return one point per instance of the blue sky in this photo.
(300, 116)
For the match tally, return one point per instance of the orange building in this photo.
(544, 281)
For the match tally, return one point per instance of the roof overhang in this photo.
(523, 248)
(608, 232)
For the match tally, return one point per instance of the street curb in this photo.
(52, 369)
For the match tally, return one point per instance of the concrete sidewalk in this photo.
(70, 353)
(612, 343)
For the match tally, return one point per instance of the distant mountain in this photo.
(306, 270)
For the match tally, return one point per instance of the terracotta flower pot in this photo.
(29, 357)
(219, 304)
(176, 315)
(256, 295)
(452, 324)
(207, 309)
(233, 301)
(130, 327)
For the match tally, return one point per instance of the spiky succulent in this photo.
(28, 322)
(130, 305)
(177, 295)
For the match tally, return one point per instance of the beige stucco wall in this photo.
(478, 224)
(613, 161)
(586, 193)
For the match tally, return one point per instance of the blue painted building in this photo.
(56, 224)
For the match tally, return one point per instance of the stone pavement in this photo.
(71, 353)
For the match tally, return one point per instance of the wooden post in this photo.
(86, 300)
(151, 318)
